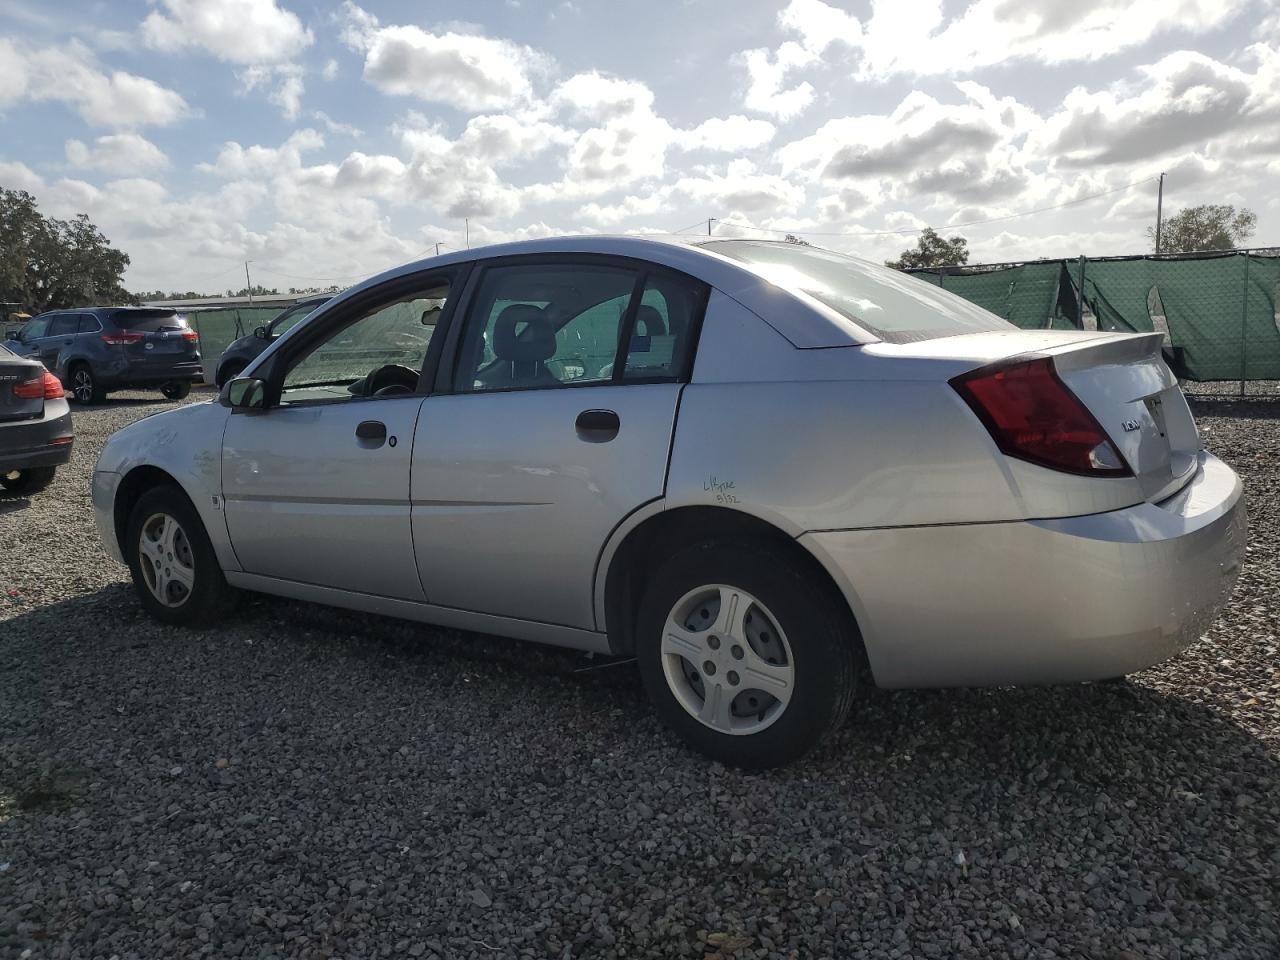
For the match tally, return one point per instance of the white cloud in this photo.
(1182, 100)
(236, 31)
(921, 38)
(728, 133)
(465, 71)
(283, 81)
(767, 72)
(120, 153)
(335, 126)
(70, 74)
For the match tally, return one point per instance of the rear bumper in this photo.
(1043, 601)
(29, 443)
(150, 373)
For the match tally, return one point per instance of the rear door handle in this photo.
(597, 426)
(371, 433)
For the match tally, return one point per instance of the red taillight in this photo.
(191, 336)
(44, 387)
(1032, 415)
(119, 339)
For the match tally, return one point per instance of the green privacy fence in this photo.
(1218, 311)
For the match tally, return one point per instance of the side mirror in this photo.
(12, 333)
(261, 333)
(244, 393)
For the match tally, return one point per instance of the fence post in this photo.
(1244, 327)
(1080, 296)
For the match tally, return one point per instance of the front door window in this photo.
(377, 354)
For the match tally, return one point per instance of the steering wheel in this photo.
(394, 379)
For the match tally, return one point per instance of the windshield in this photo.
(887, 303)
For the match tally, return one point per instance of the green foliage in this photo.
(47, 264)
(1210, 226)
(933, 250)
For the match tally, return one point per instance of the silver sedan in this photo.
(766, 471)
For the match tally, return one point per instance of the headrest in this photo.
(649, 322)
(523, 333)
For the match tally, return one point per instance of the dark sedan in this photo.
(35, 425)
(240, 353)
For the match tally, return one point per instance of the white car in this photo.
(762, 469)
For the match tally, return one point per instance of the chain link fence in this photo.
(1216, 310)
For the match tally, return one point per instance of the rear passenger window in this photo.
(89, 323)
(564, 324)
(64, 326)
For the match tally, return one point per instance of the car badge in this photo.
(1131, 425)
(151, 346)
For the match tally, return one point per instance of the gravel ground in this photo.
(311, 783)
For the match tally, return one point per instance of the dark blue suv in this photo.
(93, 350)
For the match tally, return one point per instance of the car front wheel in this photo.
(744, 655)
(175, 570)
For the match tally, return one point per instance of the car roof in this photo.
(801, 319)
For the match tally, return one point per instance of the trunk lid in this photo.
(13, 371)
(1128, 387)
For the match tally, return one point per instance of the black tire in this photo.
(816, 627)
(229, 371)
(176, 390)
(83, 386)
(21, 483)
(209, 599)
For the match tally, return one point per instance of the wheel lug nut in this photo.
(709, 669)
(733, 678)
(713, 642)
(737, 652)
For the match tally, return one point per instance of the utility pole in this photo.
(248, 284)
(467, 221)
(437, 248)
(710, 221)
(1159, 212)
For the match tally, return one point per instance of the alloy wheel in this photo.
(727, 660)
(82, 385)
(166, 560)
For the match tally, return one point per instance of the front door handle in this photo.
(371, 433)
(597, 426)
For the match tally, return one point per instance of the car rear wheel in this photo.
(175, 571)
(744, 655)
(175, 390)
(84, 385)
(28, 481)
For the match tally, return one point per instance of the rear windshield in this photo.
(149, 321)
(886, 303)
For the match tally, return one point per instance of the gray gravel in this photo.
(311, 783)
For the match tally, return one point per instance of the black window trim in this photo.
(446, 371)
(278, 364)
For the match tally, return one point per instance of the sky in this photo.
(326, 141)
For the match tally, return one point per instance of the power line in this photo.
(949, 226)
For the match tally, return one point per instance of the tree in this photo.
(47, 264)
(1210, 226)
(933, 250)
(792, 238)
